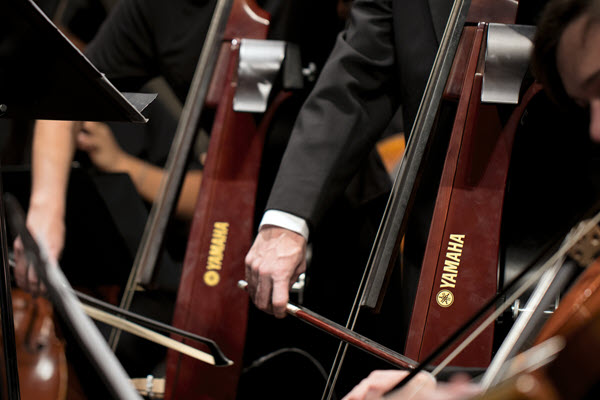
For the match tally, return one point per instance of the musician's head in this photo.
(566, 58)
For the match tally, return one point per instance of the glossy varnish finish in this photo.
(209, 302)
(456, 78)
(576, 308)
(459, 210)
(40, 353)
(459, 276)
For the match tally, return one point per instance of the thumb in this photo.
(90, 126)
(85, 142)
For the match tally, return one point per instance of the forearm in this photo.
(189, 194)
(52, 154)
(147, 180)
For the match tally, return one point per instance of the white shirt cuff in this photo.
(285, 220)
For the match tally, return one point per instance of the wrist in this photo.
(52, 203)
(285, 220)
(49, 209)
(136, 168)
(124, 163)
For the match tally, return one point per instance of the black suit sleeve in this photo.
(338, 125)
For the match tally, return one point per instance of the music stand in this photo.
(43, 76)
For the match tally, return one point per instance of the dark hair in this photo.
(557, 15)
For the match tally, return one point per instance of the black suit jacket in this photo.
(381, 61)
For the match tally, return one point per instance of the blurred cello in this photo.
(570, 371)
(40, 353)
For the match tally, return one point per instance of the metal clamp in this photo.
(259, 64)
(517, 309)
(506, 60)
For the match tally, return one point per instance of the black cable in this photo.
(261, 360)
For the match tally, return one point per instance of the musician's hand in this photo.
(98, 141)
(380, 382)
(48, 229)
(273, 264)
(460, 387)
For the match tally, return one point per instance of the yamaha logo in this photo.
(445, 298)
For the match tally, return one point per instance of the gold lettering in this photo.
(214, 262)
(224, 227)
(456, 247)
(216, 250)
(457, 238)
(453, 256)
(452, 261)
(449, 277)
(446, 284)
(218, 241)
(216, 253)
(451, 269)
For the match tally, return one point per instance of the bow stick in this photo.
(345, 334)
(33, 252)
(148, 334)
(107, 313)
(218, 357)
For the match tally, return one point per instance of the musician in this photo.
(141, 39)
(422, 387)
(566, 60)
(380, 62)
(136, 43)
(98, 141)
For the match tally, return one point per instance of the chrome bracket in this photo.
(506, 61)
(258, 66)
